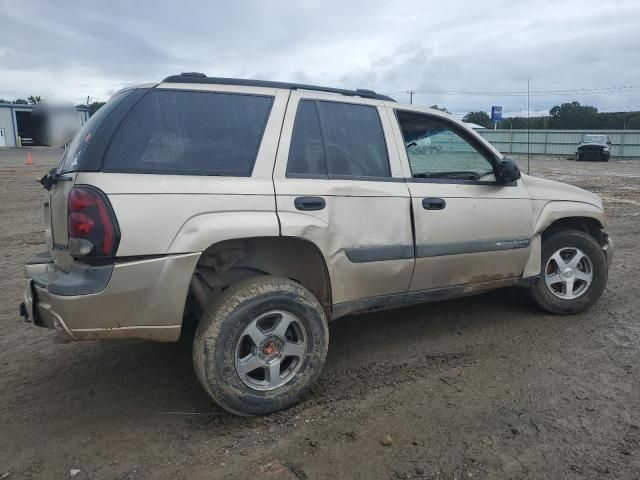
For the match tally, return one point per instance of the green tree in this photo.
(619, 120)
(34, 99)
(442, 109)
(479, 118)
(20, 101)
(573, 116)
(94, 107)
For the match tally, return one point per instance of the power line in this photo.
(523, 93)
(623, 107)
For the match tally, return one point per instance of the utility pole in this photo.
(528, 127)
(411, 92)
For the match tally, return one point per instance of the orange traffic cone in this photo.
(29, 158)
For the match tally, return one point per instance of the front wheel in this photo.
(261, 345)
(574, 272)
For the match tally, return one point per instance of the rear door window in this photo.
(192, 133)
(337, 140)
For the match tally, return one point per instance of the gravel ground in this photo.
(482, 387)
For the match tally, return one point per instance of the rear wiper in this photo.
(52, 177)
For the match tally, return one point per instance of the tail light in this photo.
(93, 228)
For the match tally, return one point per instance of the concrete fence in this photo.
(624, 143)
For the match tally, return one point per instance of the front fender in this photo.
(547, 212)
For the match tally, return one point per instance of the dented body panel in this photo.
(369, 220)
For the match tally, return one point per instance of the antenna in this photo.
(528, 128)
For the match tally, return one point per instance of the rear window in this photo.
(75, 152)
(192, 133)
(337, 140)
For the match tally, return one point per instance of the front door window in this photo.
(436, 150)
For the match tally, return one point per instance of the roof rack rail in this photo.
(197, 77)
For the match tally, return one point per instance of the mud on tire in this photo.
(222, 334)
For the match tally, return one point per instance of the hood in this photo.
(593, 144)
(542, 189)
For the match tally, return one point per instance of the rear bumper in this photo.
(141, 299)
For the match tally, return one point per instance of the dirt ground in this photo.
(480, 388)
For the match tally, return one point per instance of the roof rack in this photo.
(197, 77)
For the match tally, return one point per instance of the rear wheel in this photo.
(261, 345)
(574, 272)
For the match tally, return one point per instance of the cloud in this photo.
(74, 49)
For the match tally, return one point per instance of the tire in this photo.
(222, 345)
(566, 242)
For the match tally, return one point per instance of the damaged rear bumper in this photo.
(142, 299)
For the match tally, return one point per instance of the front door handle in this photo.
(433, 203)
(309, 203)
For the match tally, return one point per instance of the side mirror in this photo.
(509, 170)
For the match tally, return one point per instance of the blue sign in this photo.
(496, 114)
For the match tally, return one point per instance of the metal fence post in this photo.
(511, 141)
(622, 143)
(546, 137)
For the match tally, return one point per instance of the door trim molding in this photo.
(472, 246)
(381, 253)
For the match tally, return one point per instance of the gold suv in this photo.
(266, 209)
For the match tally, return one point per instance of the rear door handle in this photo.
(309, 203)
(433, 203)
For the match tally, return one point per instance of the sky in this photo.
(464, 55)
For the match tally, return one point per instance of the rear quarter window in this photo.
(191, 133)
(75, 156)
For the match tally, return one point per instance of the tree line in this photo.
(31, 100)
(567, 116)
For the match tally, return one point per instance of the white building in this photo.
(15, 121)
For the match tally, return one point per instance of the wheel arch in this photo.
(563, 215)
(589, 225)
(227, 262)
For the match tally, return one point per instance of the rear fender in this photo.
(202, 231)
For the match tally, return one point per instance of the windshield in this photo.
(595, 139)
